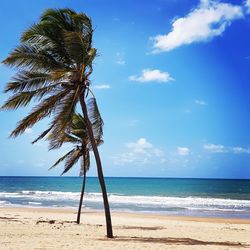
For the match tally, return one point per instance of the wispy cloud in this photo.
(247, 5)
(140, 146)
(152, 75)
(133, 122)
(240, 150)
(208, 20)
(200, 102)
(188, 111)
(28, 131)
(139, 153)
(218, 148)
(120, 61)
(120, 58)
(214, 148)
(102, 86)
(183, 151)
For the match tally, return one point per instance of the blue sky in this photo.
(172, 82)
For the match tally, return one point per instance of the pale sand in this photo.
(41, 228)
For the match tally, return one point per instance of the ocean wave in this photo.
(58, 198)
(34, 203)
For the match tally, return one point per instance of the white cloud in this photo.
(139, 153)
(152, 75)
(247, 5)
(200, 102)
(28, 131)
(208, 20)
(240, 150)
(102, 86)
(120, 61)
(214, 148)
(140, 145)
(183, 151)
(218, 148)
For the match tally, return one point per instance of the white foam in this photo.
(34, 203)
(37, 197)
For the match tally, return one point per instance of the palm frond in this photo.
(23, 99)
(62, 159)
(29, 57)
(72, 139)
(85, 163)
(56, 140)
(49, 37)
(92, 53)
(38, 113)
(26, 81)
(43, 134)
(67, 19)
(63, 118)
(78, 128)
(72, 159)
(75, 46)
(95, 119)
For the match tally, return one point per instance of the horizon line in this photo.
(135, 177)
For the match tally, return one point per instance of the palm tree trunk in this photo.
(81, 197)
(99, 168)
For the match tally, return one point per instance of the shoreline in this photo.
(137, 213)
(66, 210)
(50, 228)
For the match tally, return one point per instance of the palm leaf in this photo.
(75, 46)
(43, 134)
(49, 37)
(62, 159)
(28, 81)
(72, 159)
(63, 118)
(24, 98)
(38, 113)
(95, 119)
(85, 163)
(29, 57)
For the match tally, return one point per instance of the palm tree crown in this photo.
(54, 61)
(77, 135)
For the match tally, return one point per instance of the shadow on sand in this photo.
(179, 241)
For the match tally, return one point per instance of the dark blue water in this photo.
(194, 197)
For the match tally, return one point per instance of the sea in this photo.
(224, 198)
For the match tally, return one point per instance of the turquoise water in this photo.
(191, 197)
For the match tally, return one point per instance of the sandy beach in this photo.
(42, 228)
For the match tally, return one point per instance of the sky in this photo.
(171, 81)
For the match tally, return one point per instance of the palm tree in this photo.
(54, 62)
(78, 136)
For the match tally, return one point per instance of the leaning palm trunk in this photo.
(99, 167)
(81, 197)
